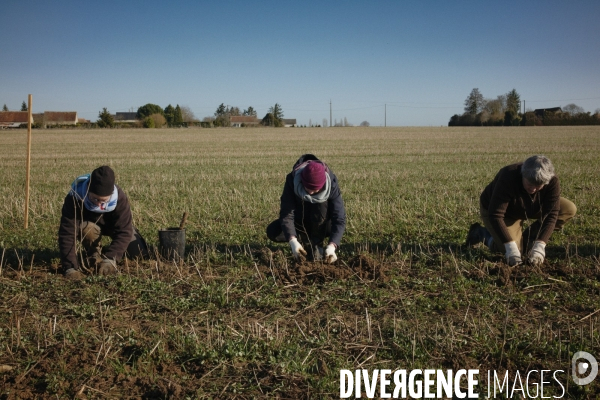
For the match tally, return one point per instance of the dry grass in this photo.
(238, 318)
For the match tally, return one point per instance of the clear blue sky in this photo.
(421, 58)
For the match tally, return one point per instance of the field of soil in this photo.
(239, 318)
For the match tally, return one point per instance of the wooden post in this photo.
(28, 163)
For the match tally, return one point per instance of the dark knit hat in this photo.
(102, 181)
(313, 176)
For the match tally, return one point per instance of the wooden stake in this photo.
(28, 164)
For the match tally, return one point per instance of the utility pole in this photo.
(330, 125)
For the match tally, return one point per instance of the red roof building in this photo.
(13, 119)
(60, 117)
(238, 120)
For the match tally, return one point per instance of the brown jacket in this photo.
(505, 197)
(117, 224)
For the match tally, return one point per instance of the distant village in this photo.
(15, 119)
(50, 119)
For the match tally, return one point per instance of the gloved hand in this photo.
(297, 250)
(537, 253)
(94, 260)
(73, 274)
(330, 256)
(107, 267)
(513, 255)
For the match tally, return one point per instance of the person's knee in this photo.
(269, 233)
(568, 209)
(274, 232)
(137, 247)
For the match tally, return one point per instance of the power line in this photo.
(585, 98)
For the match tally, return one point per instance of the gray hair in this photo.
(538, 170)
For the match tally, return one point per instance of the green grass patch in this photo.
(238, 317)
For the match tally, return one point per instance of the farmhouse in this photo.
(288, 123)
(125, 116)
(60, 118)
(246, 120)
(38, 118)
(539, 112)
(13, 119)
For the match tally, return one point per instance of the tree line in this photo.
(152, 116)
(505, 110)
(223, 114)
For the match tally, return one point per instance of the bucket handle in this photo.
(183, 220)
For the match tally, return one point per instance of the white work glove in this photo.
(513, 255)
(537, 253)
(330, 256)
(297, 250)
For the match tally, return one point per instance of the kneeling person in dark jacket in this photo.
(525, 191)
(311, 210)
(94, 207)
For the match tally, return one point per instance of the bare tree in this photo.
(496, 106)
(187, 114)
(365, 123)
(325, 123)
(573, 109)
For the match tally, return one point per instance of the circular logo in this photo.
(582, 363)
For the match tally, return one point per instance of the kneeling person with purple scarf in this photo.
(94, 207)
(311, 210)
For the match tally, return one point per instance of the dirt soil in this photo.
(361, 266)
(95, 366)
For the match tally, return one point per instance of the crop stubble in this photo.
(239, 317)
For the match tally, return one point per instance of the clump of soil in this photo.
(368, 268)
(301, 272)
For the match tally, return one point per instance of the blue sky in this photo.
(421, 58)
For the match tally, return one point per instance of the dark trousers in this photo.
(309, 234)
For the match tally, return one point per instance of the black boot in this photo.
(477, 234)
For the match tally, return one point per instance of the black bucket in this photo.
(172, 243)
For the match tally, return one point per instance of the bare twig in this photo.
(301, 331)
(154, 348)
(589, 315)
